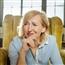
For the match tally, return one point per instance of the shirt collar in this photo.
(44, 43)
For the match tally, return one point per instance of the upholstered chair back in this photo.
(10, 24)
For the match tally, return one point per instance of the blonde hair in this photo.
(33, 13)
(30, 14)
(19, 28)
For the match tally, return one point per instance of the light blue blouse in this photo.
(46, 52)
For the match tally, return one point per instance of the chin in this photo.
(33, 46)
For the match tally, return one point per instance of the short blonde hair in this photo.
(33, 13)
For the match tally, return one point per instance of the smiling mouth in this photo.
(29, 34)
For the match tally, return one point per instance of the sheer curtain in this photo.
(31, 5)
(12, 7)
(55, 8)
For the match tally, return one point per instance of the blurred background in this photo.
(55, 10)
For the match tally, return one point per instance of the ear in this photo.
(43, 30)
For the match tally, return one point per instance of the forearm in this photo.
(21, 59)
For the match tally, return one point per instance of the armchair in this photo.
(9, 31)
(56, 28)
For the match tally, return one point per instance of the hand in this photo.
(28, 43)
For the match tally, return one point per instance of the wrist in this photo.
(22, 52)
(21, 60)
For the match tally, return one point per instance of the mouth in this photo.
(29, 33)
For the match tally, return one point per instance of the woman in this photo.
(35, 46)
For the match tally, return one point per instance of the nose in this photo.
(30, 27)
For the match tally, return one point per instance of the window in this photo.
(12, 7)
(55, 8)
(30, 5)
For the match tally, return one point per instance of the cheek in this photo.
(25, 28)
(39, 29)
(38, 32)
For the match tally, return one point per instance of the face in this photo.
(33, 27)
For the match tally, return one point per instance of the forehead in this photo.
(36, 18)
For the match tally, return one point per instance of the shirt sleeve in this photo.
(55, 55)
(12, 53)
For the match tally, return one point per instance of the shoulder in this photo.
(52, 41)
(16, 40)
(51, 38)
(16, 43)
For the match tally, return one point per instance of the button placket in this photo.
(37, 53)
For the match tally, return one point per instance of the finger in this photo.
(31, 43)
(28, 45)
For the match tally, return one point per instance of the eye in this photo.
(34, 24)
(26, 23)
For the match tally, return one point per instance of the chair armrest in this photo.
(62, 52)
(3, 56)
